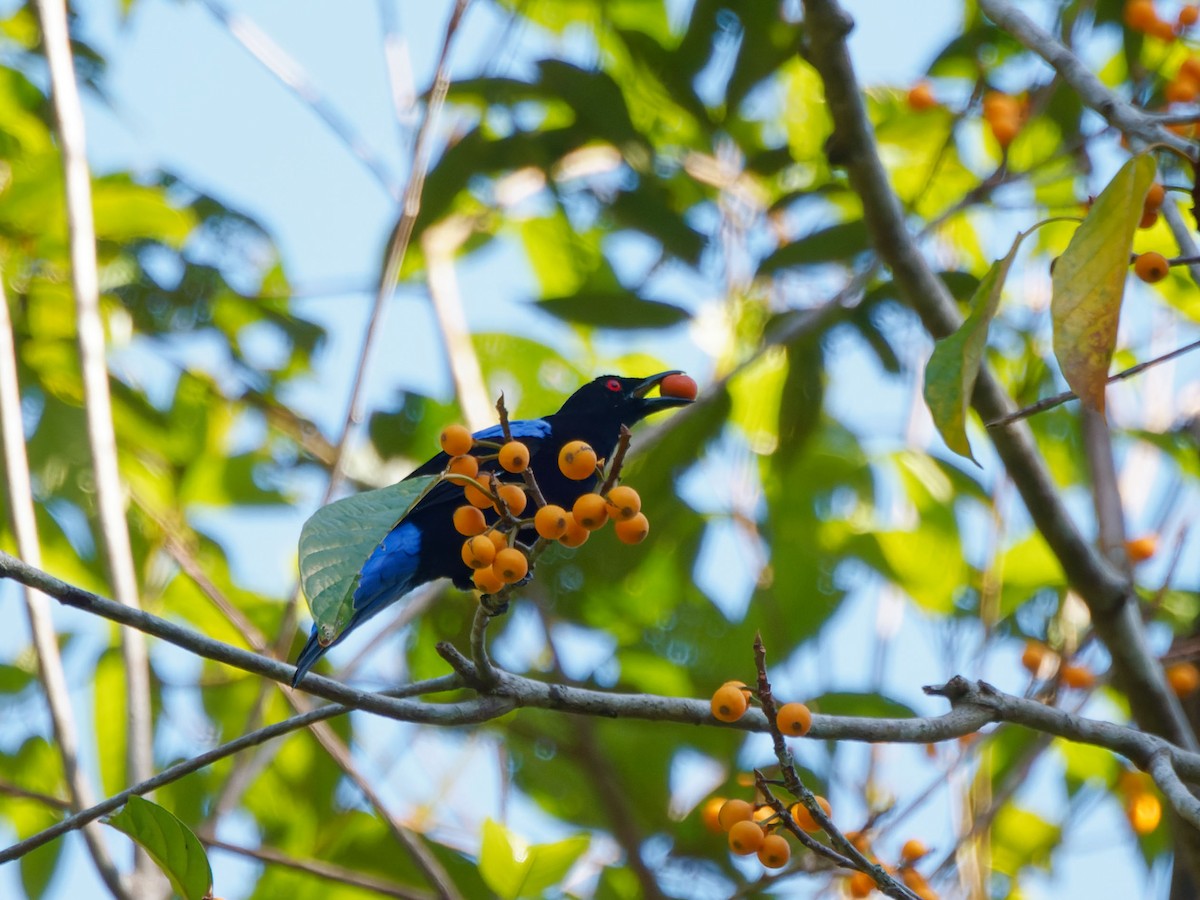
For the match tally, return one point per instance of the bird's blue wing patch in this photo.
(521, 428)
(388, 572)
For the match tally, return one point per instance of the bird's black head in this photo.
(617, 400)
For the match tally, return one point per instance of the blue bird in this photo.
(425, 545)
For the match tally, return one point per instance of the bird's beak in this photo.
(656, 404)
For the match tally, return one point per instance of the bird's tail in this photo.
(308, 657)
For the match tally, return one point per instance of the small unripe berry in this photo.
(577, 460)
(511, 565)
(774, 852)
(623, 502)
(734, 811)
(464, 465)
(477, 497)
(794, 719)
(478, 552)
(514, 498)
(590, 511)
(746, 837)
(469, 521)
(550, 522)
(487, 580)
(514, 457)
(729, 703)
(633, 531)
(456, 440)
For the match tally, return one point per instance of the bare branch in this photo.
(37, 608)
(110, 495)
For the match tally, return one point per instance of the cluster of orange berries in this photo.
(860, 884)
(492, 551)
(1036, 657)
(1143, 809)
(751, 829)
(731, 700)
(1142, 17)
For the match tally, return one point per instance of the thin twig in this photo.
(325, 870)
(291, 75)
(102, 443)
(1059, 399)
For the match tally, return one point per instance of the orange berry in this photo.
(804, 819)
(632, 531)
(511, 565)
(1078, 677)
(456, 440)
(678, 385)
(1144, 812)
(1033, 656)
(1181, 89)
(623, 502)
(514, 457)
(860, 885)
(487, 580)
(1141, 548)
(920, 97)
(794, 719)
(1183, 678)
(710, 814)
(1148, 219)
(478, 552)
(912, 850)
(577, 460)
(729, 703)
(464, 465)
(914, 880)
(514, 498)
(590, 511)
(477, 497)
(469, 521)
(550, 522)
(1163, 30)
(746, 837)
(1151, 267)
(762, 814)
(734, 811)
(1188, 16)
(1191, 68)
(1139, 15)
(999, 105)
(1004, 129)
(498, 538)
(1155, 196)
(575, 535)
(774, 852)
(1133, 781)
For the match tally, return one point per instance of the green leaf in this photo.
(336, 541)
(170, 844)
(848, 703)
(954, 365)
(111, 721)
(1021, 838)
(613, 309)
(837, 243)
(513, 870)
(1089, 281)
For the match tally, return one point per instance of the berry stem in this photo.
(502, 411)
(614, 471)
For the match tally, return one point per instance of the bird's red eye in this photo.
(613, 385)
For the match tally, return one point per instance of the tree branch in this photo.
(93, 365)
